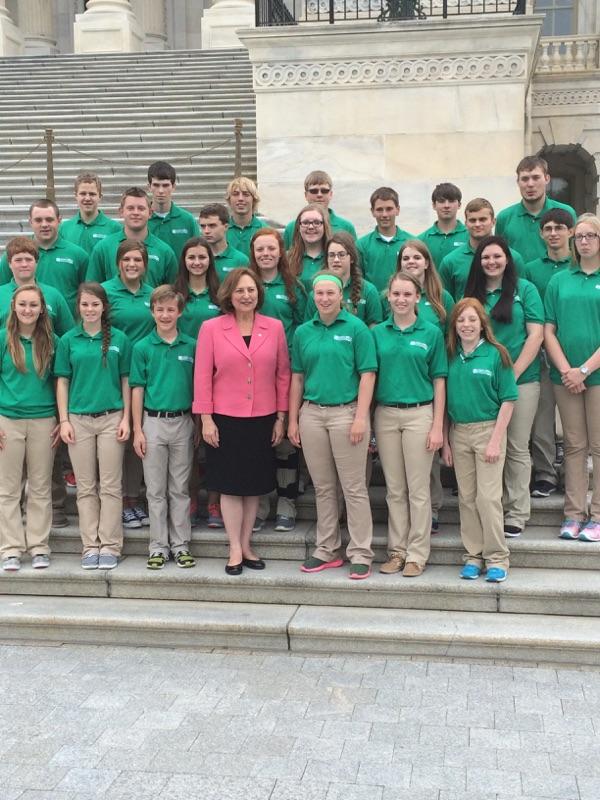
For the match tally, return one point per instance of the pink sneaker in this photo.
(570, 529)
(590, 533)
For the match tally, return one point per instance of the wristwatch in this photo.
(584, 371)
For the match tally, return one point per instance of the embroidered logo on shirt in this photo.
(147, 303)
(282, 297)
(213, 307)
(422, 345)
(179, 230)
(342, 338)
(153, 257)
(114, 348)
(98, 236)
(60, 260)
(487, 372)
(185, 358)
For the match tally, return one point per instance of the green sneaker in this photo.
(156, 561)
(313, 564)
(184, 559)
(358, 572)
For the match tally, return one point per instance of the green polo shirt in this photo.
(175, 228)
(336, 223)
(94, 386)
(239, 237)
(408, 361)
(527, 307)
(333, 357)
(162, 264)
(277, 305)
(540, 271)
(478, 384)
(229, 259)
(130, 311)
(521, 228)
(165, 371)
(573, 306)
(58, 309)
(24, 395)
(454, 269)
(425, 310)
(63, 266)
(380, 257)
(88, 234)
(310, 266)
(441, 244)
(368, 309)
(198, 308)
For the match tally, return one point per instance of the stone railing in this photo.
(569, 54)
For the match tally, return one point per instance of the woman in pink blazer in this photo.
(241, 385)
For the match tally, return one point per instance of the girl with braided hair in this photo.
(360, 297)
(27, 428)
(94, 402)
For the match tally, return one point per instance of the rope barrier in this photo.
(18, 161)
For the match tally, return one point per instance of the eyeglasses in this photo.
(581, 237)
(318, 190)
(337, 256)
(311, 223)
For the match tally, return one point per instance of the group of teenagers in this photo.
(150, 346)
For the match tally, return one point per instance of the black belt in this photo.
(103, 413)
(166, 414)
(331, 405)
(407, 405)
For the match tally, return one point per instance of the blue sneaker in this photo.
(470, 572)
(496, 575)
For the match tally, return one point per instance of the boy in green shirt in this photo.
(161, 379)
(318, 188)
(90, 225)
(214, 223)
(379, 249)
(169, 222)
(447, 232)
(242, 199)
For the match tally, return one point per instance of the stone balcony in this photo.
(567, 54)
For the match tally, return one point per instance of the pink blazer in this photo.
(232, 379)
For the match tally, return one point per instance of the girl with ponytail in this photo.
(94, 402)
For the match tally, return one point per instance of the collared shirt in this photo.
(229, 259)
(56, 305)
(478, 384)
(336, 223)
(198, 308)
(165, 370)
(521, 228)
(162, 264)
(277, 305)
(368, 308)
(441, 244)
(455, 268)
(542, 270)
(94, 382)
(174, 228)
(380, 256)
(130, 311)
(239, 237)
(572, 305)
(25, 395)
(408, 360)
(88, 234)
(333, 357)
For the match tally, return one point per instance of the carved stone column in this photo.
(153, 22)
(108, 26)
(36, 20)
(222, 19)
(11, 39)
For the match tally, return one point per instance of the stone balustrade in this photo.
(559, 54)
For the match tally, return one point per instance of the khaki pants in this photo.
(401, 439)
(479, 495)
(517, 466)
(97, 459)
(133, 472)
(167, 466)
(27, 441)
(580, 415)
(287, 482)
(543, 434)
(325, 435)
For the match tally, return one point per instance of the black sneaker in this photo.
(512, 531)
(543, 489)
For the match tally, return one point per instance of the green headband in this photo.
(329, 277)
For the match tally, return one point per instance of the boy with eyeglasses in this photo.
(556, 229)
(318, 188)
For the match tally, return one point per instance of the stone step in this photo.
(537, 548)
(527, 591)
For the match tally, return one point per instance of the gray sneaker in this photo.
(41, 561)
(11, 564)
(107, 561)
(259, 524)
(90, 561)
(283, 523)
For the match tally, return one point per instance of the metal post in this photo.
(49, 139)
(445, 9)
(331, 12)
(238, 148)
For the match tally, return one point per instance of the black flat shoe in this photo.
(234, 569)
(253, 563)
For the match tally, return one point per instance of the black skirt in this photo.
(244, 462)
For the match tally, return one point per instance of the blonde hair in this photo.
(432, 285)
(42, 338)
(486, 329)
